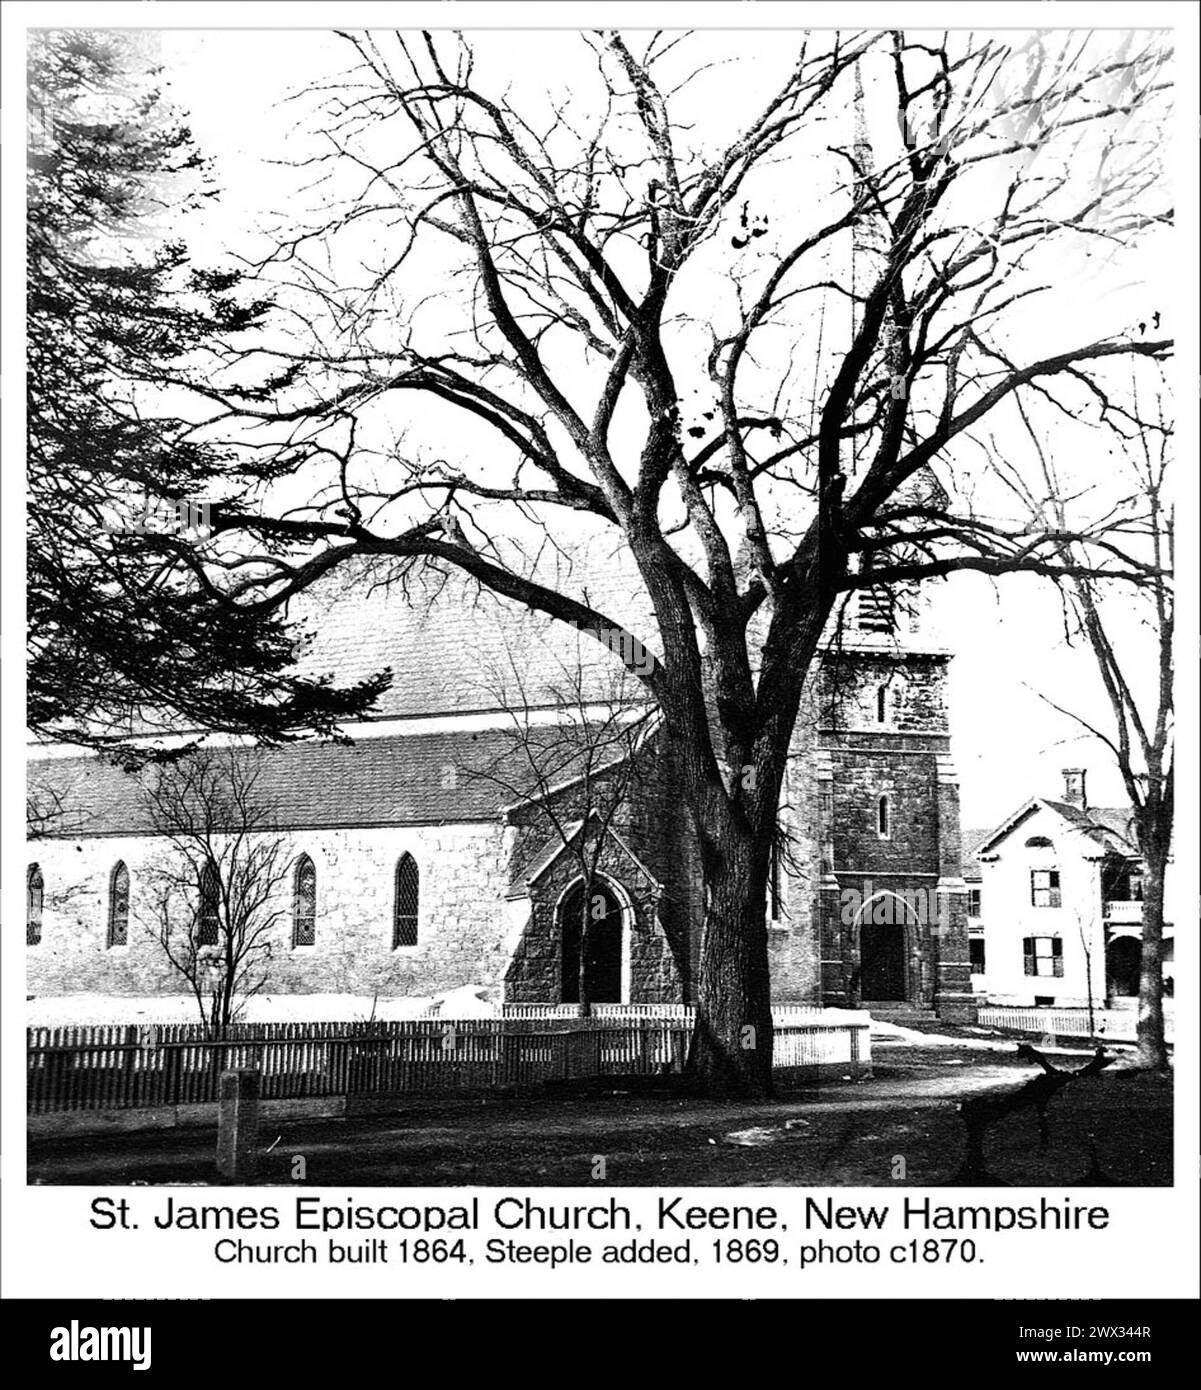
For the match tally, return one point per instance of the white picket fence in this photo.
(683, 1011)
(781, 1013)
(131, 1066)
(1119, 1025)
(806, 1035)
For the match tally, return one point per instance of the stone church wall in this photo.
(462, 935)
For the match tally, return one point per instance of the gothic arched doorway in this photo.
(603, 944)
(884, 945)
(882, 959)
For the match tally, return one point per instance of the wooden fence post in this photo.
(238, 1125)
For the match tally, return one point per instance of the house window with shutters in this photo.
(1044, 888)
(118, 905)
(408, 892)
(208, 916)
(34, 892)
(304, 903)
(1043, 955)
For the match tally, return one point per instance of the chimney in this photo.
(1073, 787)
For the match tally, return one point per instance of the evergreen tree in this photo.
(120, 631)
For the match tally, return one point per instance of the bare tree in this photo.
(218, 891)
(755, 346)
(1131, 644)
(1088, 928)
(49, 810)
(574, 776)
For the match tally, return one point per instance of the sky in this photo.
(1007, 638)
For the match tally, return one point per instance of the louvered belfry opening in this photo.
(876, 610)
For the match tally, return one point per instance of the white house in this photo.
(1055, 904)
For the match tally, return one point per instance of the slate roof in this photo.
(1107, 825)
(449, 643)
(403, 779)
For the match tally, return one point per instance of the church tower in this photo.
(868, 901)
(869, 906)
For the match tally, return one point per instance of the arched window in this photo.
(33, 905)
(881, 704)
(883, 818)
(304, 903)
(118, 905)
(775, 894)
(1039, 842)
(408, 893)
(208, 919)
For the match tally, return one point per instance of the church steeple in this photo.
(877, 614)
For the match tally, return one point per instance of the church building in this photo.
(420, 862)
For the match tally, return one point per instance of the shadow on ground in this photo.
(903, 1127)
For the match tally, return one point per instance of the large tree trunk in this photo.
(732, 1045)
(1152, 1049)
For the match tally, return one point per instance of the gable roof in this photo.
(401, 779)
(557, 846)
(1107, 828)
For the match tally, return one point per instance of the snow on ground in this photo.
(66, 1009)
(893, 1034)
(468, 1001)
